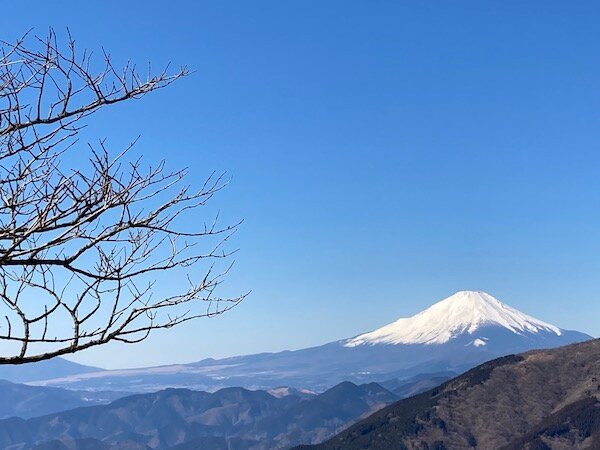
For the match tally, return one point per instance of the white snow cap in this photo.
(463, 312)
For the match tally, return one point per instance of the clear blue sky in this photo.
(384, 154)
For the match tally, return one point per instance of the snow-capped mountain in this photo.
(453, 335)
(463, 312)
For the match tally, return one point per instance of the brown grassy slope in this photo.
(524, 401)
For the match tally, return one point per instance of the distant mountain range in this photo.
(548, 399)
(30, 401)
(453, 335)
(231, 418)
(543, 399)
(297, 404)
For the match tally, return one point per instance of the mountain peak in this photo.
(462, 312)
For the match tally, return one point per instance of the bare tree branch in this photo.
(84, 245)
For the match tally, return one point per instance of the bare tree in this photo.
(81, 248)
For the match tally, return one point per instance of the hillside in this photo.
(537, 400)
(232, 418)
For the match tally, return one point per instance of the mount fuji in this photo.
(451, 336)
(467, 314)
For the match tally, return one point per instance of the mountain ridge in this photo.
(229, 418)
(540, 399)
